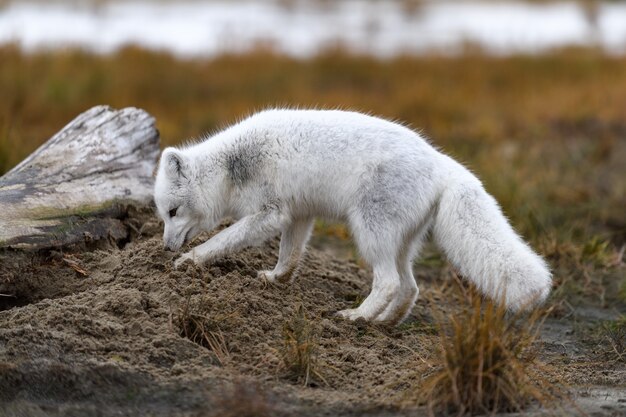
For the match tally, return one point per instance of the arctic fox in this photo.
(277, 170)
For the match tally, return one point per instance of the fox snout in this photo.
(172, 245)
(171, 242)
(167, 247)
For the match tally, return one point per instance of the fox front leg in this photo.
(292, 244)
(188, 256)
(249, 231)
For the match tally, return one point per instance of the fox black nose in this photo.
(167, 248)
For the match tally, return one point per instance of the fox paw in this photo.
(266, 276)
(271, 276)
(351, 314)
(186, 259)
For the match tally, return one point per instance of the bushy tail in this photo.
(480, 243)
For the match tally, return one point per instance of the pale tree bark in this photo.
(78, 185)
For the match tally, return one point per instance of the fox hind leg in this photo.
(389, 248)
(401, 306)
(379, 247)
(385, 288)
(292, 245)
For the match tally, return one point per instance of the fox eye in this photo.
(173, 212)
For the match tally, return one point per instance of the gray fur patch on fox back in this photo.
(243, 162)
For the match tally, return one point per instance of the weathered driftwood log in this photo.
(77, 186)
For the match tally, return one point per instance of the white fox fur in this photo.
(277, 170)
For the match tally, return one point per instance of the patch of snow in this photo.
(383, 28)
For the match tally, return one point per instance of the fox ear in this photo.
(175, 163)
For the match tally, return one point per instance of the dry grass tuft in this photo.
(615, 334)
(204, 331)
(487, 362)
(299, 350)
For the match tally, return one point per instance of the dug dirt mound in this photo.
(118, 331)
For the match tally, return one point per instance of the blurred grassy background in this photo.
(547, 134)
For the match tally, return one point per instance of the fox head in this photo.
(181, 201)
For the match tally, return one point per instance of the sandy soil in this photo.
(102, 332)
